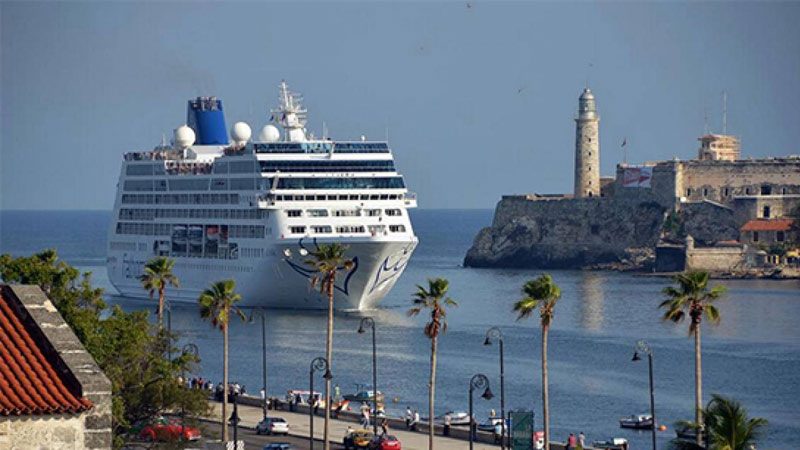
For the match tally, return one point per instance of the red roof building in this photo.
(768, 225)
(767, 231)
(52, 393)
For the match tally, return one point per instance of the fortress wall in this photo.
(720, 181)
(663, 185)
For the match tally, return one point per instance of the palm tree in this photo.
(542, 293)
(157, 275)
(692, 296)
(216, 305)
(328, 260)
(434, 299)
(727, 425)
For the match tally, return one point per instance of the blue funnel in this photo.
(204, 115)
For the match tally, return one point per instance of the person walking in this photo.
(581, 440)
(385, 426)
(415, 421)
(409, 417)
(364, 415)
(571, 441)
(447, 422)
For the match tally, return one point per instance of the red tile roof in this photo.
(29, 382)
(768, 225)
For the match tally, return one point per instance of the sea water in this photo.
(753, 355)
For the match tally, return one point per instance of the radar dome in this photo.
(269, 133)
(240, 132)
(184, 137)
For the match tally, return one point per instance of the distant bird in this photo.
(469, 5)
(519, 91)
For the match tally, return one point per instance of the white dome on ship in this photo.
(184, 137)
(241, 132)
(269, 133)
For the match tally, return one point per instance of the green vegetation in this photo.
(128, 348)
(435, 299)
(328, 260)
(693, 297)
(217, 303)
(542, 293)
(156, 277)
(727, 427)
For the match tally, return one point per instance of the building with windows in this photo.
(52, 393)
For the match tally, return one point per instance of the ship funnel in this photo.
(204, 115)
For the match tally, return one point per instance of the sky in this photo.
(478, 99)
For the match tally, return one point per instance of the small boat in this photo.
(490, 424)
(456, 418)
(611, 444)
(363, 396)
(637, 422)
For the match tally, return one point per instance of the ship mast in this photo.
(290, 114)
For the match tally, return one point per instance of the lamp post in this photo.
(263, 314)
(478, 381)
(188, 349)
(318, 364)
(368, 322)
(644, 347)
(495, 333)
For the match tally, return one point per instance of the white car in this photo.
(273, 425)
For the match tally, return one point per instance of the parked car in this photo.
(358, 439)
(273, 425)
(169, 430)
(278, 446)
(385, 442)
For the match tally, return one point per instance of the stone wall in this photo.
(715, 259)
(55, 432)
(565, 233)
(720, 181)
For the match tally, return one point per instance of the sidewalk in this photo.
(298, 426)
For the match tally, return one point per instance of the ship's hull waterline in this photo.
(280, 280)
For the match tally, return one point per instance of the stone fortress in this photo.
(717, 212)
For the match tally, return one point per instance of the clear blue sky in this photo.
(479, 98)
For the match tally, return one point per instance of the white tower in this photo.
(587, 147)
(290, 114)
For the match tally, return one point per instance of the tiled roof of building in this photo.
(31, 381)
(768, 225)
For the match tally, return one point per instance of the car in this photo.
(358, 439)
(278, 446)
(385, 442)
(167, 431)
(273, 425)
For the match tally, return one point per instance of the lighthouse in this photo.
(587, 147)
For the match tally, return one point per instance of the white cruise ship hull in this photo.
(278, 280)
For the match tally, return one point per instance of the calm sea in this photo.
(753, 355)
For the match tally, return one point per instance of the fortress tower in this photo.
(587, 147)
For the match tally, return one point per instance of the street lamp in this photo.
(478, 381)
(318, 364)
(644, 347)
(368, 322)
(263, 314)
(188, 349)
(495, 333)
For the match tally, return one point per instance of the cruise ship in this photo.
(253, 209)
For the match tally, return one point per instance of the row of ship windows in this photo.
(185, 199)
(249, 184)
(321, 147)
(160, 250)
(347, 229)
(342, 212)
(193, 232)
(151, 213)
(234, 167)
(336, 197)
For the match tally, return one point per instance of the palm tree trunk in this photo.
(225, 384)
(161, 306)
(545, 393)
(329, 357)
(431, 394)
(698, 384)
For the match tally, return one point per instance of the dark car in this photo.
(278, 446)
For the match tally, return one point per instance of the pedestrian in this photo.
(415, 421)
(316, 404)
(263, 394)
(447, 422)
(581, 440)
(571, 441)
(409, 417)
(492, 413)
(365, 415)
(385, 426)
(498, 432)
